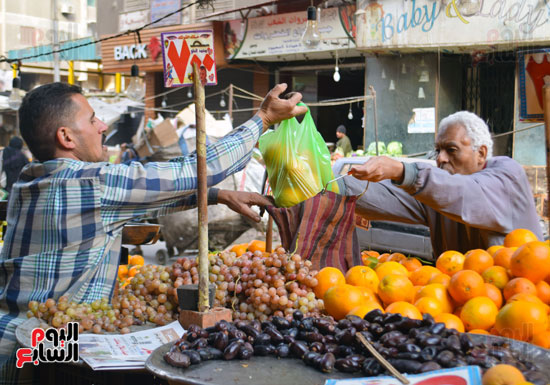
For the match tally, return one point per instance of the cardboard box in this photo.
(162, 135)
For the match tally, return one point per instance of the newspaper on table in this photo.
(125, 351)
(466, 375)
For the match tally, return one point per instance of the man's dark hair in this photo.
(42, 112)
(341, 128)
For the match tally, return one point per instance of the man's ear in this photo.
(65, 138)
(482, 152)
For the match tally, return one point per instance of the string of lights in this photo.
(201, 3)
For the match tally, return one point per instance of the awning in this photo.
(87, 52)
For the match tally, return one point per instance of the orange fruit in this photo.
(122, 271)
(451, 321)
(368, 294)
(521, 320)
(422, 275)
(371, 253)
(239, 249)
(256, 245)
(443, 279)
(405, 309)
(518, 237)
(362, 310)
(369, 258)
(450, 262)
(439, 292)
(479, 313)
(519, 285)
(502, 374)
(397, 257)
(136, 260)
(411, 264)
(503, 256)
(457, 311)
(341, 299)
(496, 275)
(492, 292)
(478, 260)
(531, 261)
(465, 285)
(542, 339)
(390, 267)
(479, 331)
(133, 270)
(395, 287)
(493, 249)
(362, 276)
(383, 257)
(429, 305)
(327, 277)
(528, 298)
(543, 291)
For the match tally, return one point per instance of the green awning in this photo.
(87, 52)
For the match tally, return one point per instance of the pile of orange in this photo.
(127, 272)
(252, 246)
(504, 290)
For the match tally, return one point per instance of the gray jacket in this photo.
(463, 212)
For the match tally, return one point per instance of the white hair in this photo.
(476, 128)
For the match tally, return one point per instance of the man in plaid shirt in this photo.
(67, 210)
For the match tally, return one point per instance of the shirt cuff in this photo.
(213, 196)
(410, 173)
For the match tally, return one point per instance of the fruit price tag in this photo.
(467, 375)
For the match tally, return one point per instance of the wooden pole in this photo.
(546, 104)
(231, 102)
(373, 93)
(366, 88)
(202, 206)
(269, 235)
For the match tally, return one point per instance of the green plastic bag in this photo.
(297, 161)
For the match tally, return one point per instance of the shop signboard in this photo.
(534, 73)
(132, 20)
(180, 50)
(160, 8)
(420, 24)
(275, 35)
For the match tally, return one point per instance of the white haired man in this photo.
(470, 200)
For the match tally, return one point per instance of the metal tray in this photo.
(257, 371)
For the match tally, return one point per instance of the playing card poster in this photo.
(180, 50)
(534, 72)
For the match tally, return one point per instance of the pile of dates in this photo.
(411, 346)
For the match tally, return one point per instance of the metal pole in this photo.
(373, 93)
(546, 104)
(231, 102)
(201, 190)
(55, 43)
(365, 110)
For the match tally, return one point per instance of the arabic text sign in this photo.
(180, 50)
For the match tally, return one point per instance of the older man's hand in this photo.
(274, 109)
(242, 201)
(379, 168)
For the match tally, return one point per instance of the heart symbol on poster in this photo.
(179, 61)
(211, 77)
(209, 51)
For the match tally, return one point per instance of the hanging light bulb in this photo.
(350, 114)
(14, 100)
(404, 69)
(392, 85)
(421, 94)
(222, 102)
(311, 36)
(136, 89)
(189, 93)
(383, 74)
(163, 103)
(336, 74)
(469, 7)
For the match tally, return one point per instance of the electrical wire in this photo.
(3, 58)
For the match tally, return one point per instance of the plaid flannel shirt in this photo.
(65, 221)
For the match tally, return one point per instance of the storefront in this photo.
(119, 54)
(419, 66)
(275, 41)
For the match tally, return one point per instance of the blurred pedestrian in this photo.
(344, 144)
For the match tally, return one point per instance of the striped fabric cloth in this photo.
(321, 229)
(65, 220)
